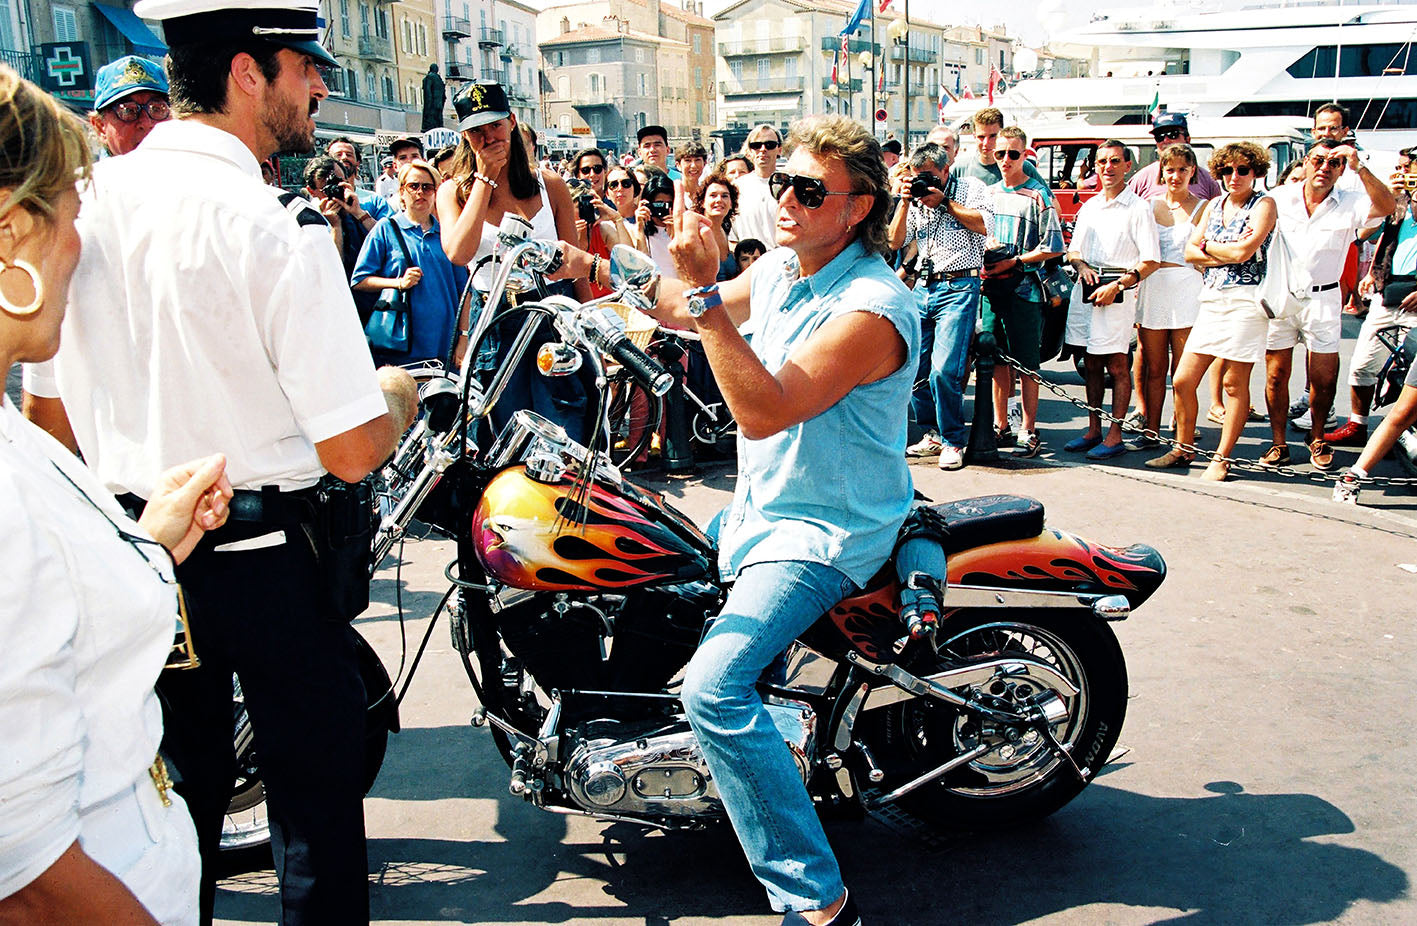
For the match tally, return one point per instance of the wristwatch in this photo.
(703, 299)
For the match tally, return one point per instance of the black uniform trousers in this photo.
(259, 613)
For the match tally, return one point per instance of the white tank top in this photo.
(543, 226)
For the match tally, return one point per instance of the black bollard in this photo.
(678, 452)
(983, 442)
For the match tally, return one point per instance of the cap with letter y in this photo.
(293, 24)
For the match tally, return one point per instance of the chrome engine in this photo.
(658, 770)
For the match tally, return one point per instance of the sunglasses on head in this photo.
(591, 169)
(809, 191)
(1010, 154)
(1331, 163)
(763, 145)
(1239, 170)
(625, 184)
(1168, 134)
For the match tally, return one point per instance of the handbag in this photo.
(1057, 285)
(1105, 275)
(390, 324)
(1273, 293)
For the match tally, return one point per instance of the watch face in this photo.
(697, 306)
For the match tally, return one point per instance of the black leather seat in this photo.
(975, 522)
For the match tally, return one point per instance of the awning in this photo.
(136, 31)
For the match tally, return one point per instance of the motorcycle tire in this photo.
(1016, 781)
(245, 833)
(635, 415)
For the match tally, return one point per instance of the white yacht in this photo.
(1277, 59)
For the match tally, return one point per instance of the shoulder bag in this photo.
(390, 325)
(1273, 293)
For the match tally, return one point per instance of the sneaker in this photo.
(1299, 407)
(1028, 445)
(1015, 413)
(951, 457)
(1305, 421)
(1345, 491)
(1143, 442)
(927, 446)
(1348, 434)
(1005, 437)
(1135, 420)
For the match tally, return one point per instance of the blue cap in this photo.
(1170, 121)
(126, 76)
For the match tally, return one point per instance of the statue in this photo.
(433, 99)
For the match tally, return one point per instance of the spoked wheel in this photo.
(714, 427)
(1019, 775)
(635, 415)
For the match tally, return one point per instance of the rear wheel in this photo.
(1020, 776)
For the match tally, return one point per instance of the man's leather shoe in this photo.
(1348, 434)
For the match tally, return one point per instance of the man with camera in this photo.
(1114, 247)
(948, 218)
(368, 206)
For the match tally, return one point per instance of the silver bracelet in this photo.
(485, 179)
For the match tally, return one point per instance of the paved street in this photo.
(1266, 777)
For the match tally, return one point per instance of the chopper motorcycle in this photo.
(976, 679)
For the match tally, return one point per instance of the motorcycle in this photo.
(976, 678)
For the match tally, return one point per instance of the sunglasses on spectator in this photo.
(157, 110)
(1239, 170)
(591, 169)
(1114, 161)
(1332, 163)
(810, 191)
(1168, 134)
(763, 145)
(1011, 155)
(421, 187)
(620, 185)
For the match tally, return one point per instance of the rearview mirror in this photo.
(630, 269)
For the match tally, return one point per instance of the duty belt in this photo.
(269, 505)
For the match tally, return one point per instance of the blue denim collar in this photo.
(823, 280)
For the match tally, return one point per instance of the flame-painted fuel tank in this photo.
(539, 536)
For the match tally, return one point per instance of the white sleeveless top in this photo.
(543, 226)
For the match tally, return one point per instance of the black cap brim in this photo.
(313, 49)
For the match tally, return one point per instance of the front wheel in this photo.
(1020, 777)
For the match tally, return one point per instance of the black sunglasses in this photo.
(1239, 170)
(620, 185)
(1168, 134)
(591, 169)
(809, 191)
(763, 145)
(1011, 155)
(1333, 163)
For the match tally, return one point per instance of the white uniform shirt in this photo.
(757, 211)
(1319, 242)
(1116, 233)
(87, 624)
(204, 318)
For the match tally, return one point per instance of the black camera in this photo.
(923, 185)
(660, 209)
(334, 190)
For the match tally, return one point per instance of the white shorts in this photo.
(1369, 354)
(1319, 325)
(1230, 325)
(1101, 329)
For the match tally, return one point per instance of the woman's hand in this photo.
(492, 158)
(1365, 285)
(410, 278)
(188, 500)
(643, 217)
(582, 234)
(694, 249)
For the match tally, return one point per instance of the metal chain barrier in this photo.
(1325, 477)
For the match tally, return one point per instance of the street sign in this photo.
(439, 137)
(882, 115)
(64, 67)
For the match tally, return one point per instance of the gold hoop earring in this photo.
(35, 281)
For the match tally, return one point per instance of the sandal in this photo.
(1217, 471)
(1276, 455)
(1216, 416)
(1171, 459)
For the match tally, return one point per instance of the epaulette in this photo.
(300, 207)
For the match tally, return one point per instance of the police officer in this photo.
(207, 313)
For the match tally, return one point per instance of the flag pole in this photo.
(905, 12)
(871, 47)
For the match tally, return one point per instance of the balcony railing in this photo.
(500, 77)
(855, 46)
(458, 71)
(594, 98)
(490, 38)
(513, 52)
(518, 95)
(853, 86)
(457, 27)
(763, 85)
(777, 44)
(917, 55)
(376, 47)
(24, 63)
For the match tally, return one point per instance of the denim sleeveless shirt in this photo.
(833, 489)
(1246, 272)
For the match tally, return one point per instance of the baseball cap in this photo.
(128, 75)
(405, 142)
(891, 145)
(292, 24)
(480, 104)
(652, 130)
(1170, 121)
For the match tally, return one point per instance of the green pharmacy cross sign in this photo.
(64, 67)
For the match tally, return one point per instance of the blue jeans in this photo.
(772, 814)
(947, 320)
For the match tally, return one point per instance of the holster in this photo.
(343, 535)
